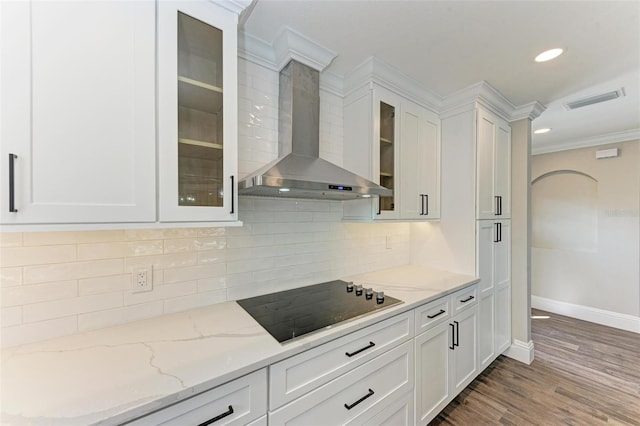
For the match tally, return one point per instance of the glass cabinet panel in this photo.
(387, 150)
(200, 124)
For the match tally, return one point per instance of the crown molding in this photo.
(256, 50)
(332, 83)
(481, 93)
(616, 137)
(375, 70)
(234, 6)
(532, 110)
(290, 44)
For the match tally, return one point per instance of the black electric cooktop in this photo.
(294, 313)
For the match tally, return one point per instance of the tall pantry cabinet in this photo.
(493, 234)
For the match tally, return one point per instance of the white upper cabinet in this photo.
(420, 160)
(396, 143)
(77, 112)
(493, 151)
(197, 112)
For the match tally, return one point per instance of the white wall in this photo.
(57, 283)
(586, 229)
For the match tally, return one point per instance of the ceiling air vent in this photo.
(590, 100)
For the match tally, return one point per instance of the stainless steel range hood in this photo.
(299, 172)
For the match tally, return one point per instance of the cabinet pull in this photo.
(453, 339)
(379, 205)
(499, 231)
(218, 417)
(497, 206)
(421, 204)
(442, 311)
(496, 239)
(12, 185)
(349, 407)
(232, 194)
(457, 343)
(369, 346)
(426, 210)
(467, 299)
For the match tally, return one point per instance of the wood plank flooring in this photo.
(582, 374)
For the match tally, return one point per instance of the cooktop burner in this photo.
(293, 313)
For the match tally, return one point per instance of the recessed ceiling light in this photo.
(549, 55)
(284, 189)
(541, 131)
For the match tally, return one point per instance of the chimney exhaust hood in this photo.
(299, 172)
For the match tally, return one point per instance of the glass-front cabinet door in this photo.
(197, 77)
(387, 112)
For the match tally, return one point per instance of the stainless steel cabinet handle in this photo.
(218, 417)
(369, 346)
(12, 184)
(349, 407)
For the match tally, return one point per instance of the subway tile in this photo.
(177, 245)
(256, 264)
(10, 316)
(35, 332)
(109, 317)
(10, 239)
(71, 270)
(161, 292)
(108, 284)
(78, 305)
(38, 255)
(171, 260)
(180, 233)
(10, 277)
(115, 250)
(241, 279)
(194, 272)
(178, 304)
(143, 234)
(212, 232)
(211, 256)
(26, 294)
(212, 283)
(211, 243)
(49, 238)
(100, 236)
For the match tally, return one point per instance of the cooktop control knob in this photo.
(368, 293)
(350, 287)
(380, 297)
(358, 289)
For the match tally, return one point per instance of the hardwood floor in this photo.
(583, 374)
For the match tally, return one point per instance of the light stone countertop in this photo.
(116, 374)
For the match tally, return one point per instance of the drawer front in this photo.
(396, 413)
(236, 403)
(298, 375)
(346, 398)
(432, 314)
(463, 299)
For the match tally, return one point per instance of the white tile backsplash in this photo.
(58, 283)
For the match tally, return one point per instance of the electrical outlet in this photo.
(141, 280)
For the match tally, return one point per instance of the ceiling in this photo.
(449, 45)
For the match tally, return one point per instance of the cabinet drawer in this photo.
(342, 400)
(462, 299)
(432, 314)
(395, 413)
(293, 377)
(244, 399)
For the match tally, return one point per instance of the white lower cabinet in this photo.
(239, 402)
(347, 397)
(446, 351)
(397, 412)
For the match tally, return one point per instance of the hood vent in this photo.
(299, 172)
(602, 97)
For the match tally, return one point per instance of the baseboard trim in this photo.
(521, 351)
(587, 313)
